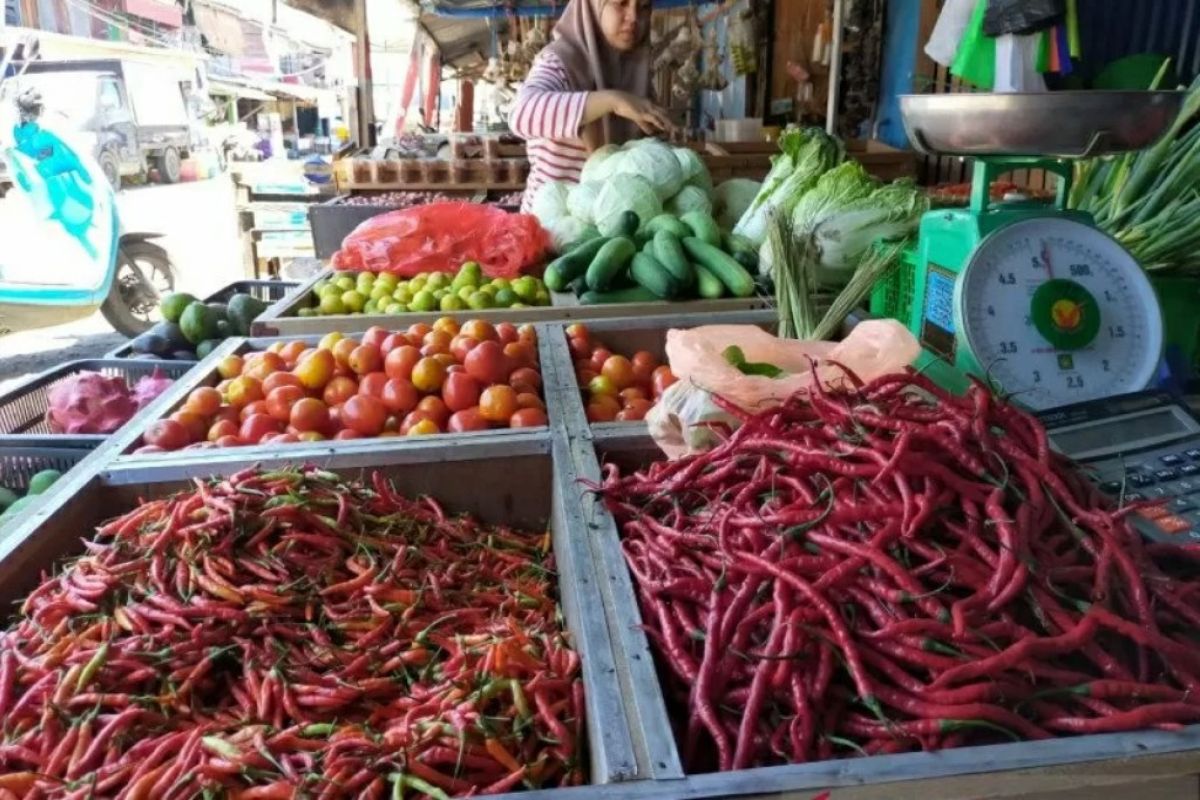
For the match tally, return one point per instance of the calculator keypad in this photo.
(1171, 476)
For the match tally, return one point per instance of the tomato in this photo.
(416, 332)
(436, 342)
(425, 427)
(601, 385)
(644, 365)
(228, 441)
(469, 419)
(585, 376)
(435, 409)
(230, 367)
(632, 393)
(204, 401)
(195, 425)
(243, 391)
(280, 401)
(461, 345)
(525, 379)
(309, 415)
(530, 400)
(257, 407)
(392, 425)
(619, 370)
(257, 427)
(428, 375)
(603, 409)
(446, 325)
(453, 368)
(290, 352)
(342, 350)
(521, 354)
(347, 434)
(507, 333)
(222, 427)
(399, 396)
(227, 412)
(339, 390)
(364, 359)
(364, 414)
(335, 420)
(311, 436)
(260, 365)
(498, 403)
(400, 362)
(460, 391)
(168, 434)
(479, 330)
(599, 356)
(372, 385)
(580, 348)
(663, 378)
(277, 379)
(412, 419)
(487, 363)
(528, 418)
(635, 410)
(393, 341)
(315, 369)
(223, 388)
(374, 336)
(527, 333)
(578, 330)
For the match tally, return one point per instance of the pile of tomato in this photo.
(427, 379)
(616, 388)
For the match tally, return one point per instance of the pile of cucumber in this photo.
(668, 258)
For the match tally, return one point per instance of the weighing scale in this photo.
(1031, 295)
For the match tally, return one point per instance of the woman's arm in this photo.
(546, 107)
(638, 110)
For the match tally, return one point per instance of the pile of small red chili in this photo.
(883, 568)
(289, 634)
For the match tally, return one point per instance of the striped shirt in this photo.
(547, 114)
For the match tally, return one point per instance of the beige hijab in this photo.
(593, 65)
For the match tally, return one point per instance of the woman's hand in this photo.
(641, 112)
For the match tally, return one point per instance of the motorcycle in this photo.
(63, 255)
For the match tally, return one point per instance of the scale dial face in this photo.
(1057, 312)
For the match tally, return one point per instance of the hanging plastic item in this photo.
(948, 32)
(975, 61)
(1021, 17)
(1016, 64)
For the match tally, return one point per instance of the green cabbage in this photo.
(690, 198)
(597, 168)
(581, 198)
(621, 193)
(695, 173)
(651, 160)
(550, 202)
(564, 232)
(730, 200)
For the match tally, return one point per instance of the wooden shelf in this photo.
(471, 186)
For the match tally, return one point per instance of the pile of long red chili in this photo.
(872, 570)
(287, 634)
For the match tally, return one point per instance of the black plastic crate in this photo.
(19, 464)
(23, 408)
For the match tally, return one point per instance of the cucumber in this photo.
(732, 275)
(629, 224)
(608, 263)
(578, 286)
(703, 227)
(638, 294)
(669, 252)
(570, 266)
(707, 284)
(647, 272)
(668, 222)
(742, 250)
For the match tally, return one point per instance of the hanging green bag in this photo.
(975, 61)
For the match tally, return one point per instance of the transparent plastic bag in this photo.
(441, 237)
(686, 417)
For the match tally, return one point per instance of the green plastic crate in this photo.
(892, 297)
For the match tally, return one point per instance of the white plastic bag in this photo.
(949, 29)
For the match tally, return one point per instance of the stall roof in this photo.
(231, 89)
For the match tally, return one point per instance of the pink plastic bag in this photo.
(678, 422)
(441, 237)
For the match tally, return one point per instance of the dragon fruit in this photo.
(90, 403)
(147, 390)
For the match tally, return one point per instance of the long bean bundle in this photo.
(882, 568)
(288, 634)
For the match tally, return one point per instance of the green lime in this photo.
(371, 307)
(470, 274)
(395, 308)
(173, 305)
(424, 301)
(526, 287)
(416, 285)
(465, 292)
(331, 304)
(352, 275)
(345, 284)
(505, 298)
(366, 279)
(480, 300)
(42, 481)
(329, 288)
(403, 295)
(488, 289)
(543, 297)
(438, 280)
(308, 312)
(452, 302)
(387, 279)
(7, 498)
(354, 301)
(501, 283)
(519, 305)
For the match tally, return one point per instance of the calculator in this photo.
(1140, 446)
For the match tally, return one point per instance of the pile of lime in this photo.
(12, 504)
(386, 293)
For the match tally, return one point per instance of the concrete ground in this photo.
(199, 226)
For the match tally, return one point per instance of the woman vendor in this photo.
(589, 87)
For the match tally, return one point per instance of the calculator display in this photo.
(1129, 431)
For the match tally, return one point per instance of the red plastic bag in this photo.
(441, 237)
